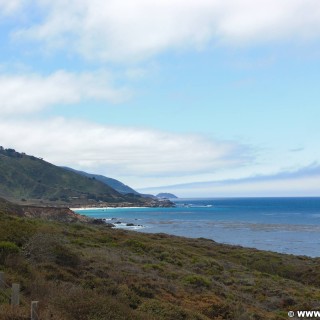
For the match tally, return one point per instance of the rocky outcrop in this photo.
(53, 214)
(46, 213)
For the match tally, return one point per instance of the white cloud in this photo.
(135, 29)
(32, 92)
(10, 7)
(118, 151)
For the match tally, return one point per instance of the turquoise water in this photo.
(286, 225)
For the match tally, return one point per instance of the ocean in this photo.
(285, 225)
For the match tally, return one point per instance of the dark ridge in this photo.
(29, 180)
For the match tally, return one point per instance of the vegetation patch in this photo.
(7, 248)
(91, 272)
(197, 281)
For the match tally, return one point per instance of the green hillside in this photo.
(25, 178)
(113, 183)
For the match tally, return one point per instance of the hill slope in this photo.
(113, 183)
(25, 178)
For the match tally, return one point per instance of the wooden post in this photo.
(15, 299)
(2, 279)
(34, 310)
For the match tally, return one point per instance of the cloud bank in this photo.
(29, 93)
(119, 151)
(301, 182)
(122, 29)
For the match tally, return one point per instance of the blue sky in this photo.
(206, 98)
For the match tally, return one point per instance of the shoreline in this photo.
(106, 208)
(298, 240)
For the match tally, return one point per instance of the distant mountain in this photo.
(113, 183)
(164, 195)
(28, 177)
(31, 180)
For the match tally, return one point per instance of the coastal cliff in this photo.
(46, 213)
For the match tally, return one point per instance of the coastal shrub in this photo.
(50, 248)
(80, 304)
(80, 227)
(209, 266)
(137, 246)
(65, 257)
(41, 247)
(82, 243)
(127, 296)
(17, 230)
(164, 311)
(218, 311)
(107, 240)
(4, 297)
(153, 266)
(197, 281)
(143, 290)
(9, 313)
(163, 253)
(7, 248)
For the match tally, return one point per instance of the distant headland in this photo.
(165, 195)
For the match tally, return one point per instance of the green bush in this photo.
(197, 281)
(165, 311)
(153, 266)
(17, 230)
(6, 248)
(80, 304)
(65, 257)
(137, 246)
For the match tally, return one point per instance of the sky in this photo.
(199, 98)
